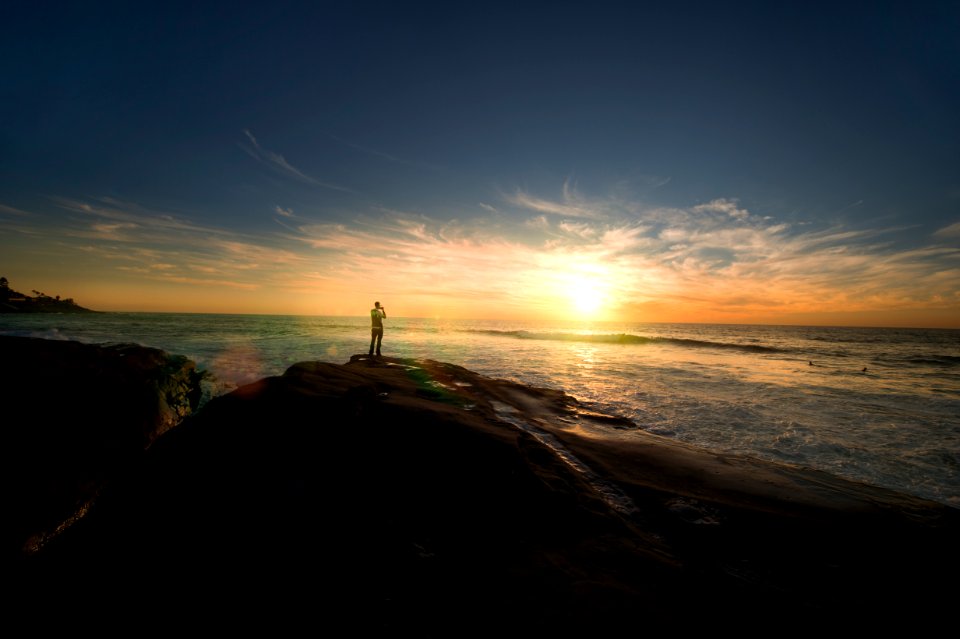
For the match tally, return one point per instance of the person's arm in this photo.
(383, 312)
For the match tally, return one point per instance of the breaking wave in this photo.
(628, 339)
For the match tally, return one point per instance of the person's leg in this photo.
(379, 339)
(373, 337)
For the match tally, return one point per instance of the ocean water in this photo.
(878, 405)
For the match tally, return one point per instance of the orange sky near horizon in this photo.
(715, 263)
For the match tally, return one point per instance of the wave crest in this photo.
(628, 339)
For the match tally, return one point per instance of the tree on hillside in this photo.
(17, 302)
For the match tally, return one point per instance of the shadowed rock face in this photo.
(75, 416)
(413, 496)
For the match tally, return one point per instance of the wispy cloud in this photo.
(950, 231)
(539, 222)
(571, 204)
(280, 164)
(728, 207)
(737, 261)
(12, 211)
(852, 205)
(374, 152)
(578, 229)
(116, 231)
(108, 218)
(388, 157)
(163, 247)
(717, 260)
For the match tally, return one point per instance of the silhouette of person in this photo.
(377, 315)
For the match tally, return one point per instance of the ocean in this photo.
(877, 405)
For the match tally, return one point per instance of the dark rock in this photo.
(416, 497)
(76, 415)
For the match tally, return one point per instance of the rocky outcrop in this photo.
(75, 417)
(416, 497)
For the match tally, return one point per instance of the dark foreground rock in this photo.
(74, 417)
(412, 497)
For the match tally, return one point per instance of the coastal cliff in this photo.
(416, 496)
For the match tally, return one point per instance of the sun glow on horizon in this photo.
(586, 296)
(712, 263)
(585, 291)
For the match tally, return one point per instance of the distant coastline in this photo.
(12, 301)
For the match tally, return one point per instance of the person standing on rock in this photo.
(377, 315)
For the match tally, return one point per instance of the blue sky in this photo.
(784, 162)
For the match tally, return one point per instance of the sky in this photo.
(732, 162)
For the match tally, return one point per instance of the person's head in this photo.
(376, 304)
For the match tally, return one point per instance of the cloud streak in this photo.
(951, 231)
(279, 164)
(571, 204)
(9, 210)
(728, 207)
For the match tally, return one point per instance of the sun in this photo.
(587, 295)
(578, 288)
